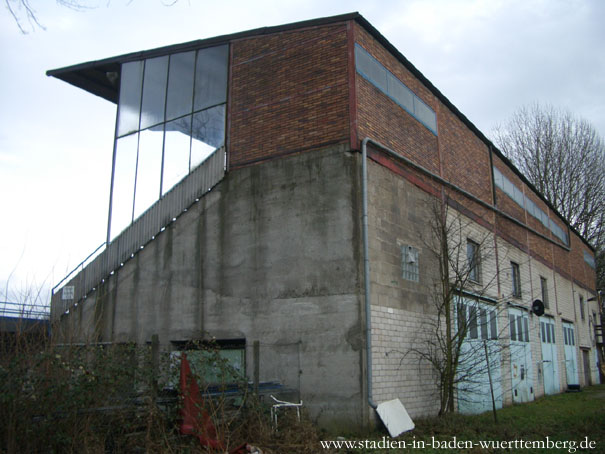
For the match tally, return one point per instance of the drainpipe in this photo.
(366, 267)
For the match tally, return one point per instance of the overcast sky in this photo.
(488, 57)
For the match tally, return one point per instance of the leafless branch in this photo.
(564, 158)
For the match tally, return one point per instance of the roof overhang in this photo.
(101, 77)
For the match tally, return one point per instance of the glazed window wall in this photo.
(171, 117)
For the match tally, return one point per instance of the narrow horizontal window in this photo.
(527, 204)
(589, 259)
(375, 73)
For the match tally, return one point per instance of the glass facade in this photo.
(171, 117)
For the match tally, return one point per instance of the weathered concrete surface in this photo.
(271, 254)
(400, 214)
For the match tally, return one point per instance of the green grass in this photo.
(563, 417)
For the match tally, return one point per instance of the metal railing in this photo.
(23, 310)
(79, 266)
(201, 180)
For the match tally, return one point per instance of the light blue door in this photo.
(550, 369)
(479, 325)
(571, 361)
(520, 356)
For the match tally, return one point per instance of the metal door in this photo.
(571, 362)
(475, 366)
(520, 356)
(550, 367)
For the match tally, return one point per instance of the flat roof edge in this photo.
(206, 42)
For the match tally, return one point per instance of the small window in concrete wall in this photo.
(409, 263)
(582, 310)
(213, 364)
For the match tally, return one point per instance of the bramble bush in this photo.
(99, 398)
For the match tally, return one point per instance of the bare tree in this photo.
(25, 14)
(564, 158)
(26, 17)
(460, 338)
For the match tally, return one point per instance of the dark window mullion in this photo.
(209, 107)
(164, 128)
(136, 168)
(192, 107)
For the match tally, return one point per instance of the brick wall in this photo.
(465, 158)
(583, 273)
(288, 93)
(382, 119)
(395, 376)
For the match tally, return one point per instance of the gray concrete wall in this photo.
(271, 254)
(400, 213)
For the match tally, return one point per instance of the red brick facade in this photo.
(289, 93)
(298, 90)
(381, 118)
